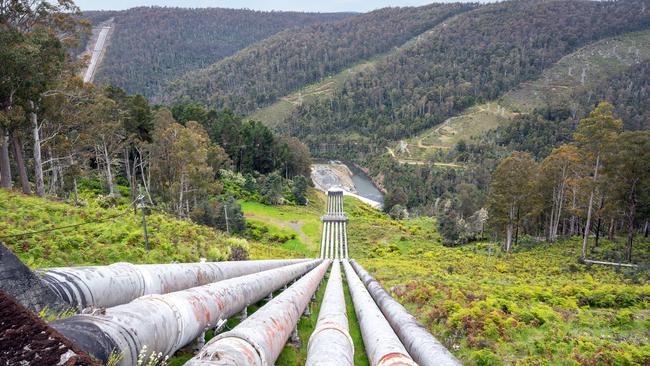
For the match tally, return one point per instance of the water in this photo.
(364, 185)
(334, 173)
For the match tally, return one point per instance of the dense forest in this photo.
(279, 65)
(629, 92)
(465, 61)
(61, 137)
(144, 52)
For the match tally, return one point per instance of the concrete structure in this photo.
(119, 283)
(330, 344)
(383, 347)
(334, 242)
(166, 323)
(421, 345)
(259, 340)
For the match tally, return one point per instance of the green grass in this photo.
(536, 306)
(360, 358)
(119, 238)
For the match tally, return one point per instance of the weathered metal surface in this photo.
(421, 345)
(119, 283)
(383, 347)
(18, 281)
(330, 344)
(165, 323)
(260, 338)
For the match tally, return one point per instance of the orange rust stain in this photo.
(396, 359)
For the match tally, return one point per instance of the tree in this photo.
(627, 167)
(300, 186)
(557, 170)
(447, 223)
(180, 166)
(272, 189)
(593, 134)
(511, 190)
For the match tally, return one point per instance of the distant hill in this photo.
(151, 45)
(460, 63)
(273, 68)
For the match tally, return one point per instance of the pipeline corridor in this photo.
(128, 313)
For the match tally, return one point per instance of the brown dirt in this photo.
(27, 340)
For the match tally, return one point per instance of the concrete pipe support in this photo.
(330, 344)
(165, 323)
(383, 347)
(258, 340)
(119, 283)
(421, 345)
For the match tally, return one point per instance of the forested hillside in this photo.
(273, 68)
(151, 45)
(462, 62)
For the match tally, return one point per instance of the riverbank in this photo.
(352, 180)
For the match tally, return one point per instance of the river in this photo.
(331, 173)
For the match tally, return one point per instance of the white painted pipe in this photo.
(119, 283)
(258, 340)
(165, 323)
(345, 239)
(421, 345)
(330, 344)
(383, 347)
(322, 241)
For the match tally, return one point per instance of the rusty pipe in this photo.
(260, 338)
(119, 283)
(165, 323)
(421, 345)
(382, 344)
(330, 344)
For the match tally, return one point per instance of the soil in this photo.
(27, 340)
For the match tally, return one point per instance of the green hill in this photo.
(150, 46)
(576, 82)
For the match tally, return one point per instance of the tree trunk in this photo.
(20, 163)
(5, 165)
(645, 229)
(610, 233)
(76, 191)
(572, 222)
(585, 238)
(109, 172)
(38, 164)
(180, 196)
(510, 228)
(630, 223)
(517, 229)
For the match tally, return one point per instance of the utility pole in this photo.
(225, 211)
(144, 220)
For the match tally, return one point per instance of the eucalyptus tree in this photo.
(593, 135)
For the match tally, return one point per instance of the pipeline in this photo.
(258, 340)
(382, 344)
(330, 344)
(421, 345)
(119, 283)
(165, 323)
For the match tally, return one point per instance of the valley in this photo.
(487, 163)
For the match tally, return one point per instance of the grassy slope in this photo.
(577, 72)
(537, 306)
(559, 84)
(119, 239)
